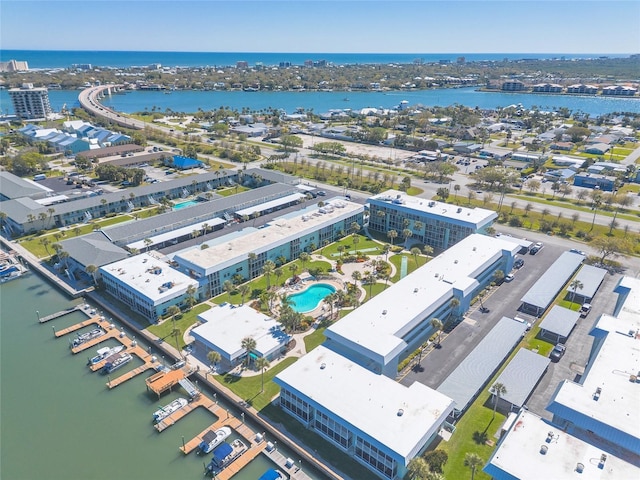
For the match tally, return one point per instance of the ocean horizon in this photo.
(48, 59)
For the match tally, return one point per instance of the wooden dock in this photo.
(129, 375)
(242, 461)
(224, 419)
(77, 326)
(130, 349)
(166, 380)
(114, 333)
(201, 401)
(294, 471)
(59, 314)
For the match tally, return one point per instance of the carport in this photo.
(591, 278)
(465, 382)
(542, 293)
(270, 206)
(521, 376)
(558, 323)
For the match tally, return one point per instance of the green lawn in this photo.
(227, 192)
(411, 263)
(364, 244)
(414, 191)
(314, 339)
(183, 322)
(248, 388)
(376, 288)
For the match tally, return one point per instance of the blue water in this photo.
(310, 298)
(186, 204)
(192, 100)
(66, 58)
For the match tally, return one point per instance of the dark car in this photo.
(321, 193)
(518, 263)
(557, 352)
(534, 250)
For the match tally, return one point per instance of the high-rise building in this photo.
(30, 102)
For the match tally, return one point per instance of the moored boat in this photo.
(116, 361)
(103, 353)
(225, 454)
(164, 412)
(213, 438)
(85, 337)
(272, 474)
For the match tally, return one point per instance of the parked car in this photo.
(509, 277)
(557, 352)
(518, 263)
(579, 252)
(321, 193)
(534, 250)
(585, 309)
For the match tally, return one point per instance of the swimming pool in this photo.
(310, 298)
(188, 203)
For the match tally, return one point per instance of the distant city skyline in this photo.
(324, 26)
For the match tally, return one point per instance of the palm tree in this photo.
(453, 305)
(385, 249)
(499, 390)
(304, 258)
(357, 276)
(392, 234)
(370, 278)
(575, 285)
(248, 344)
(267, 270)
(262, 364)
(175, 333)
(473, 461)
(45, 243)
(64, 256)
(340, 250)
(228, 287)
(278, 273)
(330, 300)
(427, 250)
(356, 240)
(436, 323)
(244, 289)
(91, 270)
(213, 357)
(406, 234)
(415, 251)
(418, 468)
(498, 276)
(293, 268)
(191, 296)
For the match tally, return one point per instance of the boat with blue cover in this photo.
(272, 474)
(225, 454)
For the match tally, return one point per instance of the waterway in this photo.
(60, 421)
(319, 102)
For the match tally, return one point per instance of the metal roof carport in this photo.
(521, 376)
(542, 293)
(175, 234)
(266, 207)
(474, 371)
(558, 323)
(591, 278)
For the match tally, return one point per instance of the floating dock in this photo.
(59, 314)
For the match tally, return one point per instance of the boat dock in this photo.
(129, 375)
(113, 333)
(224, 419)
(77, 326)
(59, 314)
(202, 401)
(132, 350)
(166, 380)
(242, 461)
(286, 465)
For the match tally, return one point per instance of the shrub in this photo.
(515, 221)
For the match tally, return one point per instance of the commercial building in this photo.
(147, 285)
(30, 103)
(594, 180)
(372, 418)
(440, 225)
(223, 328)
(245, 252)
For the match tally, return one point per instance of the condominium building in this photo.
(30, 102)
(438, 224)
(245, 252)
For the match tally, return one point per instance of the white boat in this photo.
(116, 361)
(103, 353)
(212, 439)
(85, 337)
(164, 412)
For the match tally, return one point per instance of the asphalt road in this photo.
(504, 300)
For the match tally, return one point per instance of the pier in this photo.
(166, 380)
(59, 314)
(294, 471)
(129, 375)
(202, 401)
(77, 326)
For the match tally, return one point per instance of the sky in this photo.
(324, 26)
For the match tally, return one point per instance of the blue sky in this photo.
(474, 26)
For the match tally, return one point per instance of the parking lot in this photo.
(504, 300)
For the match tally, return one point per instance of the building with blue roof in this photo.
(183, 163)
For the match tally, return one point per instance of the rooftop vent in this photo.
(384, 312)
(543, 449)
(549, 436)
(415, 290)
(400, 412)
(459, 209)
(455, 261)
(474, 249)
(580, 467)
(603, 458)
(596, 396)
(323, 366)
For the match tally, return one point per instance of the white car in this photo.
(509, 277)
(585, 309)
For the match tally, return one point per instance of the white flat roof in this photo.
(376, 328)
(271, 204)
(518, 455)
(179, 232)
(278, 231)
(51, 200)
(370, 403)
(475, 216)
(227, 325)
(150, 277)
(617, 359)
(630, 309)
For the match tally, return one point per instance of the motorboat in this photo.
(225, 454)
(116, 361)
(103, 353)
(164, 412)
(85, 337)
(212, 439)
(272, 474)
